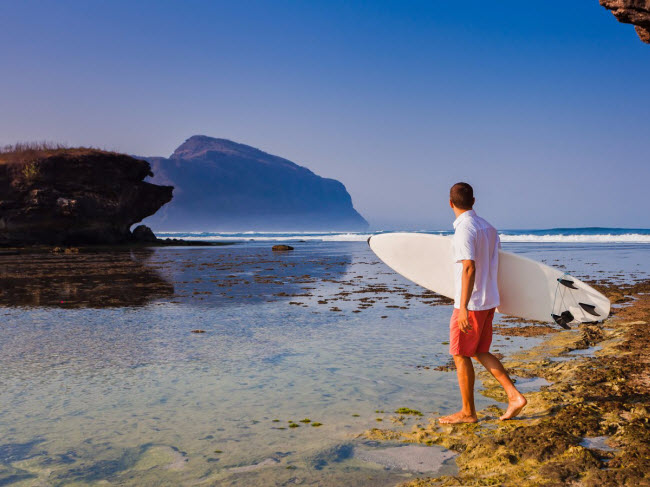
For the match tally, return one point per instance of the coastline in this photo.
(588, 425)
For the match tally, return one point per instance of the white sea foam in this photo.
(604, 238)
(362, 237)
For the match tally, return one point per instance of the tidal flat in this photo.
(587, 418)
(103, 380)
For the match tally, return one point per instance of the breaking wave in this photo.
(560, 235)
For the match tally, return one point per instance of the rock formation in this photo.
(223, 185)
(144, 234)
(636, 12)
(74, 196)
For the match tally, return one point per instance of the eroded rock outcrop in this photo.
(74, 196)
(635, 12)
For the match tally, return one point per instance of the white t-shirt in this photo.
(477, 240)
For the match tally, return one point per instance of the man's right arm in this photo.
(467, 287)
(464, 252)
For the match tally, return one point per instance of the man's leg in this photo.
(465, 372)
(516, 400)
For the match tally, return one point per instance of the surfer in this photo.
(476, 260)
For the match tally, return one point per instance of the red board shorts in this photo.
(477, 340)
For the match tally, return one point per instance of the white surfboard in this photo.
(528, 289)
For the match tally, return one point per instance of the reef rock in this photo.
(281, 248)
(142, 233)
(636, 12)
(223, 185)
(74, 196)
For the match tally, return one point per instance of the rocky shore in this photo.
(65, 196)
(590, 424)
(58, 198)
(635, 12)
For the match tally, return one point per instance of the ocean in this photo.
(559, 235)
(190, 365)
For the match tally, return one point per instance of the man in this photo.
(476, 261)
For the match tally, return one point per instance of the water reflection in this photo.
(83, 280)
(217, 277)
(204, 277)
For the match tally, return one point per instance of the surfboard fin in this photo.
(589, 308)
(567, 283)
(563, 319)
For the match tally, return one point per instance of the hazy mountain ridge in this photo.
(224, 185)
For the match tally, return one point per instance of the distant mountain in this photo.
(220, 185)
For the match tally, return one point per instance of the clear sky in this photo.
(544, 109)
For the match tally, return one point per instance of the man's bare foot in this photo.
(459, 417)
(514, 407)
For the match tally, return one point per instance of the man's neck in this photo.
(458, 211)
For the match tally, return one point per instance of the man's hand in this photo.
(463, 321)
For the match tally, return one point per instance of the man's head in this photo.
(461, 197)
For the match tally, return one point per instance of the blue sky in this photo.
(543, 109)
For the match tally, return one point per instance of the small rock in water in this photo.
(198, 331)
(281, 248)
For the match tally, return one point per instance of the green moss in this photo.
(294, 425)
(306, 420)
(218, 451)
(356, 415)
(276, 420)
(414, 412)
(316, 424)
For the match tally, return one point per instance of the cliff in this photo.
(223, 185)
(635, 12)
(74, 196)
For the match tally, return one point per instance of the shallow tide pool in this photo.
(102, 378)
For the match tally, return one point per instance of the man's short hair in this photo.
(462, 196)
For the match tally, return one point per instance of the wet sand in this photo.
(588, 426)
